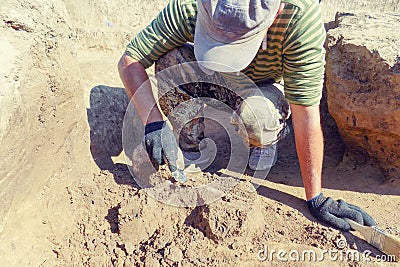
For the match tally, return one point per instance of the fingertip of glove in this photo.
(172, 168)
(342, 225)
(347, 226)
(346, 229)
(179, 176)
(369, 222)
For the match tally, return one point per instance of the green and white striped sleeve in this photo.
(304, 56)
(172, 27)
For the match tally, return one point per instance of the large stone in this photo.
(363, 84)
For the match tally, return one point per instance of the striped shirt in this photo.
(295, 52)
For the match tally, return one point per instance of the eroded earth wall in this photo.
(363, 84)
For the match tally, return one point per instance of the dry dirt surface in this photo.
(67, 196)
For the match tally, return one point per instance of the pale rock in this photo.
(363, 85)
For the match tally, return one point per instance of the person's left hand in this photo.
(333, 211)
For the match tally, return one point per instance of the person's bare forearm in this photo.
(134, 76)
(309, 145)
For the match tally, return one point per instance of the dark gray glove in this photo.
(161, 144)
(332, 211)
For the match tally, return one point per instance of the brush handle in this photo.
(387, 243)
(365, 231)
(392, 246)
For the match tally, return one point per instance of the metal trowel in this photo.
(193, 167)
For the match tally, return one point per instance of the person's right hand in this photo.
(333, 212)
(161, 144)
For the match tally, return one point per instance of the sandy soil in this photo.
(68, 198)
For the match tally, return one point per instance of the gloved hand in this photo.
(332, 211)
(161, 144)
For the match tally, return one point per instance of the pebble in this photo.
(174, 254)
